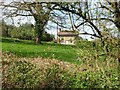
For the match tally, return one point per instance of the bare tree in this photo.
(108, 11)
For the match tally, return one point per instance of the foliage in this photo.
(25, 32)
(55, 77)
(101, 57)
(6, 29)
(22, 75)
(47, 37)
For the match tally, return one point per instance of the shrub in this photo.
(22, 74)
(94, 80)
(55, 77)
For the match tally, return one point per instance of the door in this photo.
(67, 42)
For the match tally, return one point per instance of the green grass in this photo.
(70, 53)
(28, 48)
(25, 48)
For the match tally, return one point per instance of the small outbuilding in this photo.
(67, 37)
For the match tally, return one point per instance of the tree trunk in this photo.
(119, 47)
(39, 31)
(39, 36)
(38, 40)
(117, 23)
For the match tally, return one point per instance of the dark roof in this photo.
(67, 33)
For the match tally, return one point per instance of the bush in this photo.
(47, 37)
(59, 78)
(22, 74)
(55, 77)
(94, 80)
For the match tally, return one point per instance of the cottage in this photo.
(67, 37)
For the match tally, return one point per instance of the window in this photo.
(70, 40)
(62, 40)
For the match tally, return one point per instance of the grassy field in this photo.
(26, 48)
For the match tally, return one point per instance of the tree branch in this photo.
(79, 14)
(90, 34)
(103, 19)
(103, 6)
(79, 24)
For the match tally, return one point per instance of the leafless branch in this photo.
(103, 19)
(90, 34)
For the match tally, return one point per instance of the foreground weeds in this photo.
(50, 73)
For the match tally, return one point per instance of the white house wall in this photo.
(66, 39)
